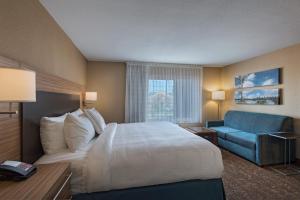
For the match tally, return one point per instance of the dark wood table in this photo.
(51, 181)
(206, 133)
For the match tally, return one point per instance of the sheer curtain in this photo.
(163, 92)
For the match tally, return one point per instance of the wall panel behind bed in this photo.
(10, 126)
(48, 104)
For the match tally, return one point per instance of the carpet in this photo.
(244, 180)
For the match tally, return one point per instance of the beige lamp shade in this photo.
(218, 95)
(91, 96)
(17, 85)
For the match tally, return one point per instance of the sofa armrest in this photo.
(214, 123)
(270, 150)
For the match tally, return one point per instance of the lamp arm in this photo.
(9, 113)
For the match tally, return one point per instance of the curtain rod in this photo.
(154, 64)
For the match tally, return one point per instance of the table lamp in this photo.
(17, 85)
(90, 97)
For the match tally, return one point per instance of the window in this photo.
(160, 100)
(163, 92)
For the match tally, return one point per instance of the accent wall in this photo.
(289, 60)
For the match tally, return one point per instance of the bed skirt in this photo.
(195, 189)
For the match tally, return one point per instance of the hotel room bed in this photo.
(139, 155)
(157, 160)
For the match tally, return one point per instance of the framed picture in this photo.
(238, 97)
(238, 82)
(258, 97)
(270, 77)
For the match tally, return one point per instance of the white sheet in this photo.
(78, 165)
(141, 154)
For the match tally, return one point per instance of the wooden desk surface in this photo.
(41, 185)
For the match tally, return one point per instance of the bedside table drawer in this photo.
(65, 190)
(62, 187)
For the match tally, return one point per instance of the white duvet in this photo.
(142, 154)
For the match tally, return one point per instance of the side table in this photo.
(205, 133)
(287, 169)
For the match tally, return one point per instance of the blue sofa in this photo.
(246, 134)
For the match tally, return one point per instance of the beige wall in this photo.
(289, 60)
(108, 79)
(211, 82)
(30, 35)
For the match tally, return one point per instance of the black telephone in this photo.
(17, 171)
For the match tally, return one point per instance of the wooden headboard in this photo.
(48, 104)
(11, 125)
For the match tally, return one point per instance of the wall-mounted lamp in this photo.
(90, 97)
(218, 96)
(16, 85)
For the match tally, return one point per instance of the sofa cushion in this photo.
(257, 122)
(222, 130)
(242, 138)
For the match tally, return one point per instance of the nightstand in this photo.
(209, 134)
(51, 181)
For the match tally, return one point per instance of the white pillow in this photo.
(52, 134)
(96, 119)
(77, 112)
(78, 131)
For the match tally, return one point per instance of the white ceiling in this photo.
(178, 31)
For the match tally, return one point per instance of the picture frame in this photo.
(271, 77)
(259, 96)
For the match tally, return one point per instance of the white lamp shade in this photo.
(218, 95)
(91, 96)
(17, 85)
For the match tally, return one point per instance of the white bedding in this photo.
(140, 154)
(78, 165)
